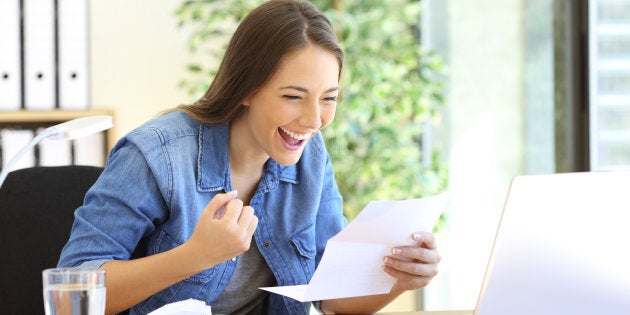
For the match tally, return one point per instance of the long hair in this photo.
(254, 52)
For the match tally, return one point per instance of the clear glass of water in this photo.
(74, 291)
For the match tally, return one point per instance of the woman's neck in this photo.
(247, 160)
(245, 155)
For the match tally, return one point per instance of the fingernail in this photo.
(234, 193)
(396, 251)
(417, 236)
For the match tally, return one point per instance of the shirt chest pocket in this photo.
(306, 249)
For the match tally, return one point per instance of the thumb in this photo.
(218, 202)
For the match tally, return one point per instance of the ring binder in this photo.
(10, 55)
(72, 20)
(39, 54)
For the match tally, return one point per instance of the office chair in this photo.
(36, 213)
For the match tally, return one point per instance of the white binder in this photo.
(72, 21)
(90, 150)
(54, 152)
(12, 141)
(10, 45)
(39, 54)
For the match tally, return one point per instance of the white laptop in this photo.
(562, 247)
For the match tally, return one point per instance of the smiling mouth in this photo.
(293, 138)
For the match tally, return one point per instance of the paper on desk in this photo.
(186, 307)
(352, 260)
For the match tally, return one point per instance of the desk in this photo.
(430, 313)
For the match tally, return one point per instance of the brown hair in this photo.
(266, 34)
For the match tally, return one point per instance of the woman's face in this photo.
(296, 102)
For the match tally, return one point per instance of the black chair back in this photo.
(36, 214)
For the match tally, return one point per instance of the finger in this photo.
(233, 210)
(251, 228)
(412, 268)
(407, 281)
(425, 239)
(219, 201)
(247, 213)
(410, 253)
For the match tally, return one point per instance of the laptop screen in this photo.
(562, 247)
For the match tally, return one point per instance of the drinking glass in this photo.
(74, 291)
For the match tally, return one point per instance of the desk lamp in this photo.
(69, 130)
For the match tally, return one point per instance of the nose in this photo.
(311, 116)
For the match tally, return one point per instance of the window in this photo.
(499, 121)
(533, 86)
(609, 78)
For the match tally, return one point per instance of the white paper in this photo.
(352, 261)
(186, 307)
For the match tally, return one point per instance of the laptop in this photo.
(562, 247)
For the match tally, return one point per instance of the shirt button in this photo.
(266, 244)
(234, 259)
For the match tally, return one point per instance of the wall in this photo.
(137, 58)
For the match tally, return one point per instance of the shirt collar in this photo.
(213, 166)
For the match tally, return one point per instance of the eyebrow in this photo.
(305, 90)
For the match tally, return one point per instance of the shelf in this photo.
(52, 117)
(46, 116)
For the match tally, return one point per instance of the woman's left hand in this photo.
(414, 266)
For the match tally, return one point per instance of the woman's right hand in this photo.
(224, 230)
(214, 240)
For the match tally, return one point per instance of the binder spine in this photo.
(72, 21)
(39, 54)
(10, 55)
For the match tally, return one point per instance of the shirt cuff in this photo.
(94, 263)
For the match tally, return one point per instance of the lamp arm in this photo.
(5, 170)
(69, 130)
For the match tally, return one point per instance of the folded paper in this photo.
(353, 259)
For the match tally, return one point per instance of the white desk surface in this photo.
(430, 313)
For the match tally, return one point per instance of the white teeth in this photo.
(296, 136)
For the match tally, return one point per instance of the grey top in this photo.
(242, 296)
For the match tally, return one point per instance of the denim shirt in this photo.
(159, 178)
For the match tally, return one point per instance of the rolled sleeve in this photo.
(118, 211)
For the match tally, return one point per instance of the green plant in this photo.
(387, 93)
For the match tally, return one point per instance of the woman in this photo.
(165, 219)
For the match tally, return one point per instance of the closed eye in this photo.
(330, 99)
(291, 97)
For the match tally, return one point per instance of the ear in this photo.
(246, 101)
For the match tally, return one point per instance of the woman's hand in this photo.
(414, 266)
(224, 230)
(216, 238)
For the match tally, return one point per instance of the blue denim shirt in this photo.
(159, 178)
